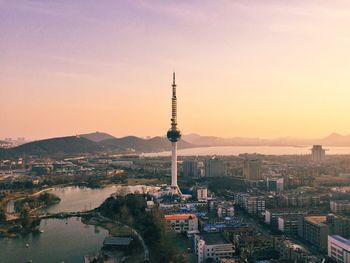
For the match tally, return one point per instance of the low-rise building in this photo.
(225, 209)
(182, 223)
(117, 242)
(212, 246)
(293, 252)
(275, 184)
(254, 205)
(202, 194)
(272, 214)
(339, 249)
(248, 242)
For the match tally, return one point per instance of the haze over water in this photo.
(267, 150)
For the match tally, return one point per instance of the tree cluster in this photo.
(34, 202)
(130, 209)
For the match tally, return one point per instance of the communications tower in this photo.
(174, 136)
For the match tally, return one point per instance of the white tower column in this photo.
(174, 164)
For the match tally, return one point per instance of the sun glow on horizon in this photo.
(244, 68)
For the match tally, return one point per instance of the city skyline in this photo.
(246, 69)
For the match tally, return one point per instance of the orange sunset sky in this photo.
(247, 68)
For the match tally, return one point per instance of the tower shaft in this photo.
(174, 164)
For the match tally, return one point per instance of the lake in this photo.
(65, 240)
(62, 240)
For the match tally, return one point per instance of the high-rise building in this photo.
(190, 168)
(318, 153)
(214, 167)
(338, 225)
(174, 136)
(314, 230)
(252, 169)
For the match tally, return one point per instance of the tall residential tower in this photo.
(174, 136)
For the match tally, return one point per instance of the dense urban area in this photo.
(246, 208)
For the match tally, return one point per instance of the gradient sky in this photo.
(244, 67)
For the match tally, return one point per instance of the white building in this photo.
(339, 249)
(182, 223)
(225, 209)
(202, 194)
(212, 245)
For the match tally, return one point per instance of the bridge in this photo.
(67, 214)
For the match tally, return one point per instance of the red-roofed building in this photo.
(182, 223)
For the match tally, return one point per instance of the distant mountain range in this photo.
(90, 143)
(333, 139)
(103, 142)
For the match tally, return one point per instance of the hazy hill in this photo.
(97, 136)
(95, 142)
(218, 141)
(54, 146)
(333, 139)
(137, 144)
(336, 139)
(74, 145)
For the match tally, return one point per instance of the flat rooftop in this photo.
(213, 238)
(180, 216)
(341, 239)
(117, 241)
(317, 220)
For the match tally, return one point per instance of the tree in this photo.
(2, 216)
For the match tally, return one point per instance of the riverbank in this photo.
(138, 253)
(25, 218)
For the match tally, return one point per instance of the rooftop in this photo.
(317, 220)
(179, 216)
(213, 238)
(341, 239)
(117, 241)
